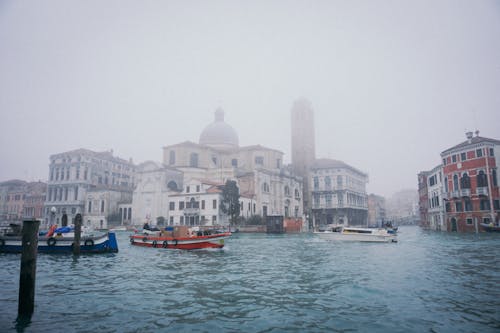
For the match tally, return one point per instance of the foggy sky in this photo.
(392, 83)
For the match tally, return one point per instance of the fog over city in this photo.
(392, 83)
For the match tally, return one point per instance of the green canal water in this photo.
(427, 282)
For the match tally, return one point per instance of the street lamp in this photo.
(53, 211)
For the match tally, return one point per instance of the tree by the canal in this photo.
(230, 203)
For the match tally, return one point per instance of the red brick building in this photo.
(471, 184)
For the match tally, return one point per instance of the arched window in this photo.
(328, 182)
(482, 181)
(172, 185)
(297, 194)
(287, 190)
(455, 183)
(465, 181)
(171, 160)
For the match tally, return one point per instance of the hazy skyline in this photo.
(392, 83)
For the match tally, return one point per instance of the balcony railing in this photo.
(191, 211)
(482, 191)
(454, 194)
(465, 192)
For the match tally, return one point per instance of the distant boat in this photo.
(490, 227)
(341, 233)
(61, 240)
(119, 228)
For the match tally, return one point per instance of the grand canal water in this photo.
(427, 282)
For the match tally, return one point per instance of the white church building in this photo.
(186, 189)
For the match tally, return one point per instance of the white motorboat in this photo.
(357, 234)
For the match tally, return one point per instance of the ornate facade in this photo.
(338, 194)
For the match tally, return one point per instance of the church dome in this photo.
(219, 134)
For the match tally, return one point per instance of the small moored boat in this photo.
(61, 240)
(181, 238)
(490, 227)
(341, 233)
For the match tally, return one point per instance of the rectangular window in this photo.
(171, 220)
(479, 152)
(214, 219)
(468, 205)
(76, 193)
(454, 158)
(187, 189)
(492, 152)
(496, 204)
(181, 205)
(259, 160)
(102, 206)
(90, 206)
(254, 208)
(234, 162)
(469, 221)
(66, 194)
(458, 206)
(197, 188)
(484, 204)
(463, 156)
(171, 205)
(202, 204)
(181, 220)
(444, 161)
(214, 204)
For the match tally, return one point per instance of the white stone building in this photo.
(338, 193)
(435, 188)
(266, 186)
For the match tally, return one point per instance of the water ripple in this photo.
(434, 282)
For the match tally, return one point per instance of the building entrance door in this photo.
(453, 224)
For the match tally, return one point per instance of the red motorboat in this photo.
(185, 239)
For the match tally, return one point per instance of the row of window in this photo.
(16, 197)
(194, 158)
(464, 156)
(58, 193)
(191, 204)
(467, 206)
(465, 181)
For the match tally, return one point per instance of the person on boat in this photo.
(146, 226)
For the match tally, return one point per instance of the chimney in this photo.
(469, 136)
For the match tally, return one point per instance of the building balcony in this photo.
(453, 194)
(191, 211)
(465, 192)
(482, 191)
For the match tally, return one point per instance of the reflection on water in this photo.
(261, 283)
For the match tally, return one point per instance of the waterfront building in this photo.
(34, 200)
(74, 173)
(471, 183)
(435, 188)
(376, 210)
(338, 194)
(303, 145)
(423, 199)
(150, 202)
(20, 199)
(102, 207)
(258, 170)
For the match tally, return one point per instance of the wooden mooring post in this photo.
(27, 276)
(78, 232)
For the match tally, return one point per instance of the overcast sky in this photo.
(392, 83)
